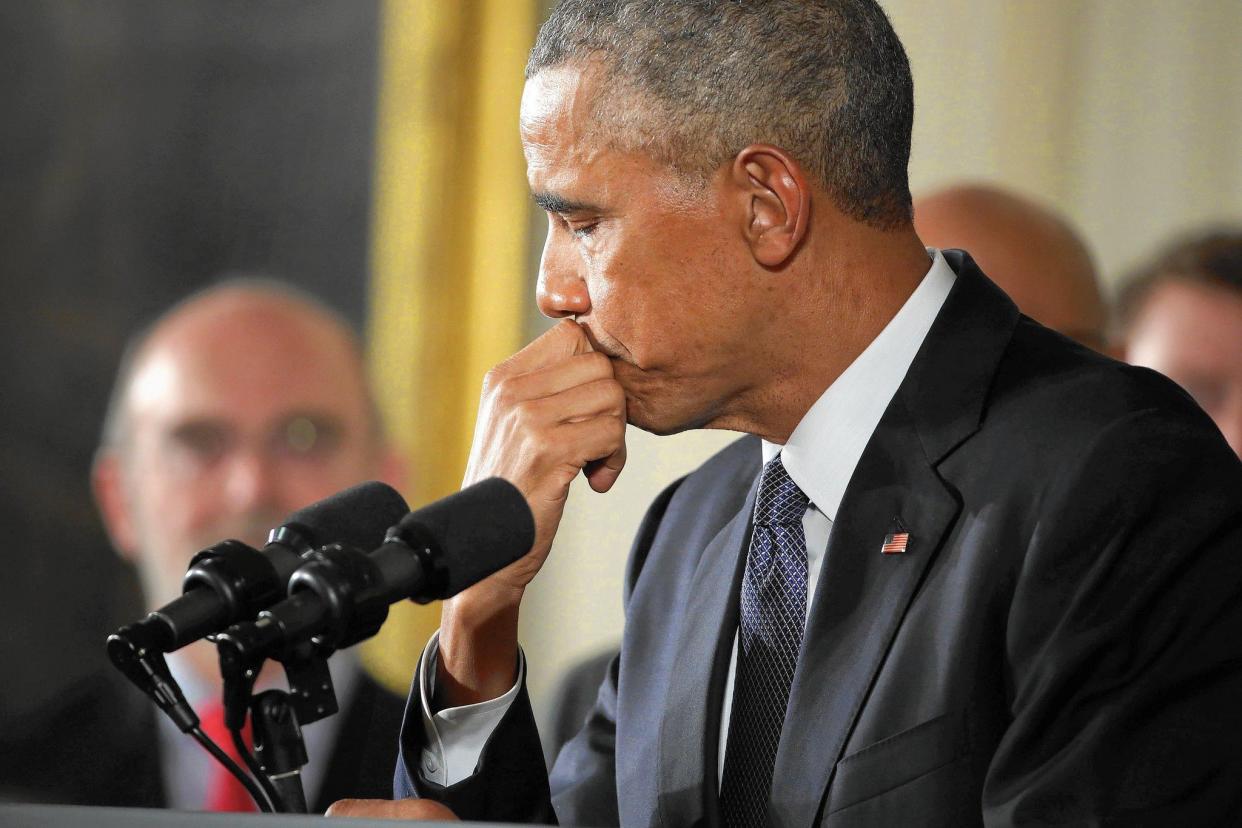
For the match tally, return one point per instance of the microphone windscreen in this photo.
(358, 516)
(482, 528)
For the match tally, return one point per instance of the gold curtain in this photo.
(449, 246)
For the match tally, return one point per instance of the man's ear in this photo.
(778, 202)
(108, 486)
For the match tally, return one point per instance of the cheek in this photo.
(607, 278)
(174, 501)
(632, 299)
(171, 523)
(178, 513)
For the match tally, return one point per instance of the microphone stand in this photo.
(280, 751)
(135, 654)
(279, 748)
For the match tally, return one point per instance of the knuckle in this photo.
(616, 400)
(524, 411)
(494, 378)
(599, 362)
(504, 390)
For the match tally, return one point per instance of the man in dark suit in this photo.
(573, 699)
(963, 571)
(238, 406)
(1032, 253)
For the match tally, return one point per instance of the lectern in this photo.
(73, 816)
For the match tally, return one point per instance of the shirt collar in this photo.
(825, 447)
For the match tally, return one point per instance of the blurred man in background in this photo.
(1181, 314)
(1035, 255)
(240, 405)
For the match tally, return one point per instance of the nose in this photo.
(251, 482)
(561, 290)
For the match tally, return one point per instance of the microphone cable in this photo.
(269, 790)
(258, 794)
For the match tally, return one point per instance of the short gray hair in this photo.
(826, 80)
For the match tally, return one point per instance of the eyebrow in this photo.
(558, 204)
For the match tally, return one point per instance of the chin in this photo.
(660, 421)
(662, 405)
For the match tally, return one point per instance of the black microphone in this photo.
(340, 595)
(231, 581)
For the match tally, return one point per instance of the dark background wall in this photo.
(146, 146)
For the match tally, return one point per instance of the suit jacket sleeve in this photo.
(511, 781)
(1124, 638)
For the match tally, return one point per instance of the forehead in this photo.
(560, 147)
(574, 157)
(1195, 314)
(557, 108)
(246, 365)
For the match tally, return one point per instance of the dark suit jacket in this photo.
(573, 700)
(101, 747)
(1061, 642)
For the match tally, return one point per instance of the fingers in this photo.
(544, 415)
(563, 340)
(602, 474)
(596, 439)
(419, 809)
(548, 380)
(598, 398)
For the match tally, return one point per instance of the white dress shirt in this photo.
(820, 456)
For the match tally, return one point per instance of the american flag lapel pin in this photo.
(895, 542)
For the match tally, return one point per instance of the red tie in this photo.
(224, 792)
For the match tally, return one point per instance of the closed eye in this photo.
(580, 220)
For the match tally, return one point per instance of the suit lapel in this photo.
(863, 594)
(860, 601)
(690, 733)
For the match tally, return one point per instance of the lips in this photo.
(596, 345)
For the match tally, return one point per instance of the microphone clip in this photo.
(135, 652)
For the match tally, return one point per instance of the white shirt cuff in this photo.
(455, 736)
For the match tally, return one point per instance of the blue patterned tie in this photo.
(773, 616)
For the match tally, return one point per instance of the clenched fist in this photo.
(548, 412)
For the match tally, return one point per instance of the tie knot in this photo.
(780, 501)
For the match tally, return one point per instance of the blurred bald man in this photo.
(240, 405)
(1030, 251)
